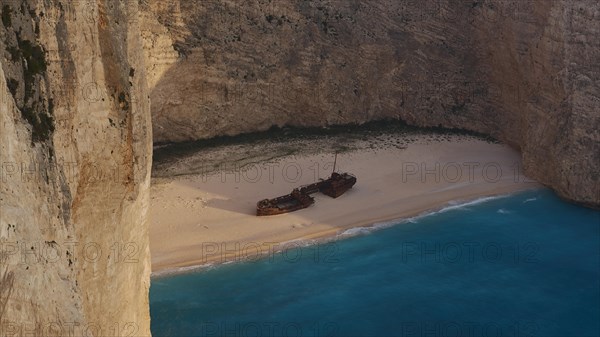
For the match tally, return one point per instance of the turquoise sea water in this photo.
(522, 265)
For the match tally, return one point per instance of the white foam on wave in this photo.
(452, 205)
(529, 200)
(355, 231)
(181, 270)
(278, 248)
(503, 211)
(369, 229)
(464, 205)
(295, 243)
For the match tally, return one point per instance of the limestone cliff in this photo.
(75, 155)
(526, 72)
(75, 133)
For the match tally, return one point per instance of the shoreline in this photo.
(329, 236)
(202, 220)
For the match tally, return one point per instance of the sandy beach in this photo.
(206, 215)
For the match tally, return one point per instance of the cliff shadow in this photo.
(7, 279)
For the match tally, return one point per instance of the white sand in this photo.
(201, 219)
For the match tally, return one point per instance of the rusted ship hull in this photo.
(334, 186)
(284, 204)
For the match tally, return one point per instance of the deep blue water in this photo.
(523, 265)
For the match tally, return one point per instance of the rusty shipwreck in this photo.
(334, 186)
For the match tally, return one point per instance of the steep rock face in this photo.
(525, 72)
(75, 155)
(158, 43)
(544, 58)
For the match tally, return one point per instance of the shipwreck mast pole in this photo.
(334, 162)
